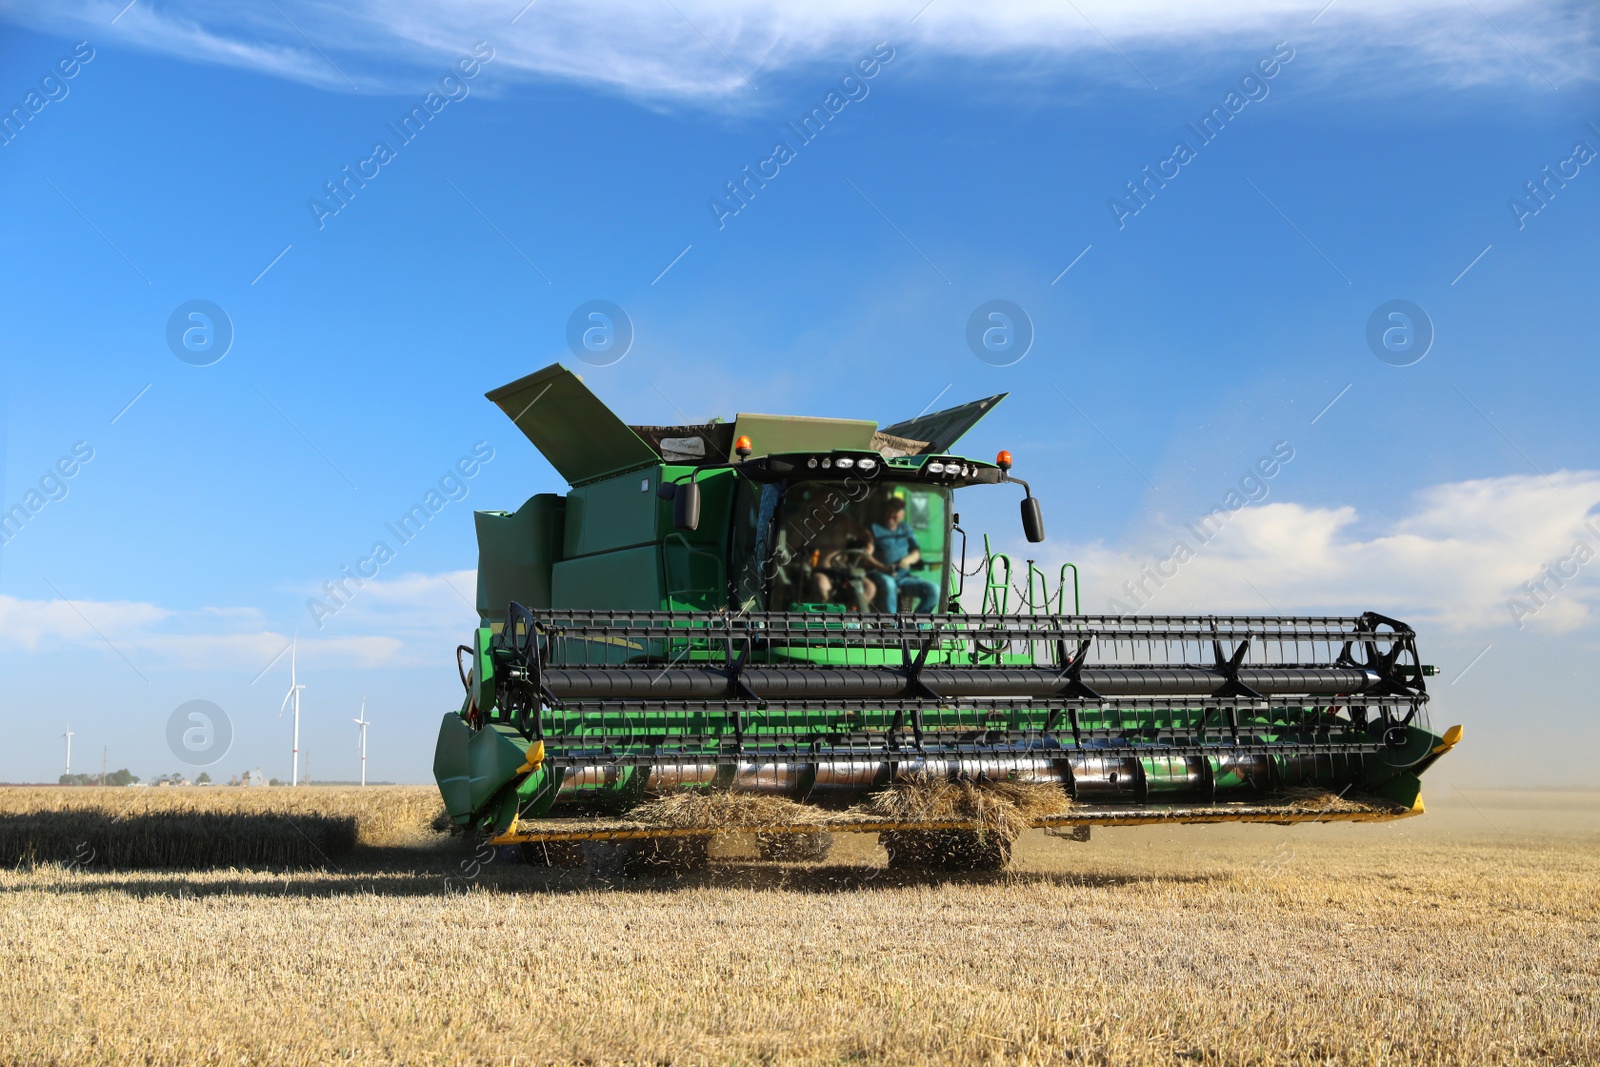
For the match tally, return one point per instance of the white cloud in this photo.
(1456, 560)
(412, 607)
(705, 50)
(27, 623)
(407, 620)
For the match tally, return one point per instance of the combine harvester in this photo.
(724, 611)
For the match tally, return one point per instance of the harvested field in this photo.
(1467, 935)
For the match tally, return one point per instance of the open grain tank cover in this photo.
(581, 437)
(940, 430)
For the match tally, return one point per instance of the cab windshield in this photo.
(842, 546)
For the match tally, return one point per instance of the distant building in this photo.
(254, 777)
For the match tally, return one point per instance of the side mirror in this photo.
(686, 506)
(1032, 519)
(666, 490)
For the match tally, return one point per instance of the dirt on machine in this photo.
(769, 626)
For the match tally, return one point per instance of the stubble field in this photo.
(1468, 935)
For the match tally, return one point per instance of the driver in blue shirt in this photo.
(893, 553)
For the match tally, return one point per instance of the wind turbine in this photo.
(293, 695)
(68, 736)
(361, 722)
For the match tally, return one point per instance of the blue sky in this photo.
(979, 162)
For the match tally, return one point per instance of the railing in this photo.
(998, 587)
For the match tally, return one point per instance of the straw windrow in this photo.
(696, 808)
(1004, 808)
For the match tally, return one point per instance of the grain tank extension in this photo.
(784, 607)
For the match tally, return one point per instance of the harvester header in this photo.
(779, 607)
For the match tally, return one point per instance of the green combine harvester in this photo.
(779, 606)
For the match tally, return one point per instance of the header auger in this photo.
(772, 609)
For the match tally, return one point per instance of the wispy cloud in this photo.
(404, 621)
(694, 51)
(1455, 560)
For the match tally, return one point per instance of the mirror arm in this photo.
(1027, 490)
(668, 488)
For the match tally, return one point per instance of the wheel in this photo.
(809, 846)
(950, 850)
(647, 858)
(553, 853)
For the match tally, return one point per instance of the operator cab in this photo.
(841, 545)
(847, 531)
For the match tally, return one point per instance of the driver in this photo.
(895, 552)
(838, 563)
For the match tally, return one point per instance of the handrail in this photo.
(995, 592)
(1061, 590)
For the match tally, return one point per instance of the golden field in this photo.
(1468, 935)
